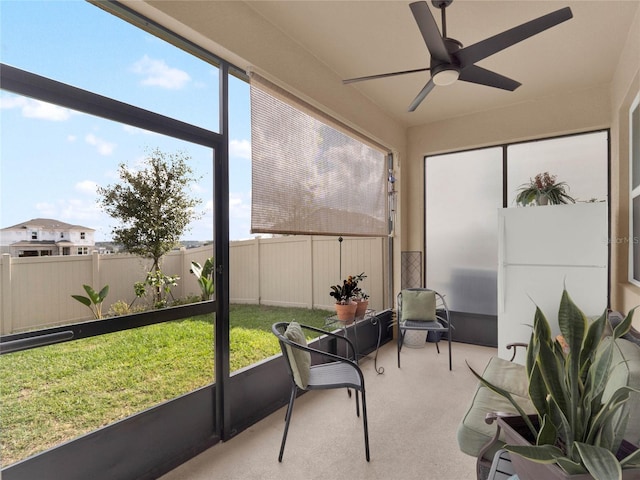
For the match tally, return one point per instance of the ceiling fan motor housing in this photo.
(441, 3)
(445, 73)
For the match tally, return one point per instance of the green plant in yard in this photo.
(205, 278)
(94, 299)
(121, 307)
(161, 286)
(579, 429)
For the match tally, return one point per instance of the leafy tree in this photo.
(154, 205)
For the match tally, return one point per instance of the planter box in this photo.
(516, 432)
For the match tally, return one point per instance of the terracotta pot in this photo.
(516, 432)
(361, 308)
(346, 313)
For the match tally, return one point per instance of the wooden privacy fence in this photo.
(289, 271)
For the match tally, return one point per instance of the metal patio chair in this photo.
(338, 372)
(424, 310)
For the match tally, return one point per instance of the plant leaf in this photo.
(93, 295)
(548, 432)
(537, 453)
(600, 462)
(624, 326)
(83, 300)
(103, 294)
(573, 325)
(609, 410)
(591, 341)
(196, 269)
(552, 374)
(571, 467)
(207, 270)
(538, 391)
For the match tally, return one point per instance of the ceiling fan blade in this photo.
(482, 76)
(430, 33)
(383, 75)
(421, 96)
(489, 46)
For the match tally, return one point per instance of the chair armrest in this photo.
(445, 319)
(515, 346)
(327, 354)
(489, 419)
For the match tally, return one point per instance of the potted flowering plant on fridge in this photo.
(544, 189)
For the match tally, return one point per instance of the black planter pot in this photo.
(516, 432)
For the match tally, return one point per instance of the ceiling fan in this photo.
(451, 62)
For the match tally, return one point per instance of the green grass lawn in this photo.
(52, 394)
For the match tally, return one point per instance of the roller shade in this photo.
(312, 175)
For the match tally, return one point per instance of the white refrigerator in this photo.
(540, 251)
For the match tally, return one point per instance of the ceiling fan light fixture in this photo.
(446, 76)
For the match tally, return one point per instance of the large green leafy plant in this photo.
(578, 428)
(205, 276)
(94, 299)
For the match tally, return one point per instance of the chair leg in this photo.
(287, 420)
(438, 346)
(357, 404)
(366, 426)
(400, 340)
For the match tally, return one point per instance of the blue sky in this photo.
(52, 159)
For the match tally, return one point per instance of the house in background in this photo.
(40, 237)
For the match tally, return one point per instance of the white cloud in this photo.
(35, 108)
(86, 186)
(46, 209)
(235, 204)
(71, 138)
(72, 210)
(239, 216)
(103, 147)
(158, 74)
(240, 148)
(197, 188)
(79, 211)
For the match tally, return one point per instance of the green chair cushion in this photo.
(300, 360)
(419, 305)
(473, 432)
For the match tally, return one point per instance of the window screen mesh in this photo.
(309, 176)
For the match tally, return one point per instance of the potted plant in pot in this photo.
(344, 294)
(360, 297)
(362, 302)
(543, 189)
(577, 431)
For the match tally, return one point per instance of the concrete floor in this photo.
(413, 415)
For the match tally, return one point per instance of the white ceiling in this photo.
(358, 38)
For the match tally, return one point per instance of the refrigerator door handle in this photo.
(502, 264)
